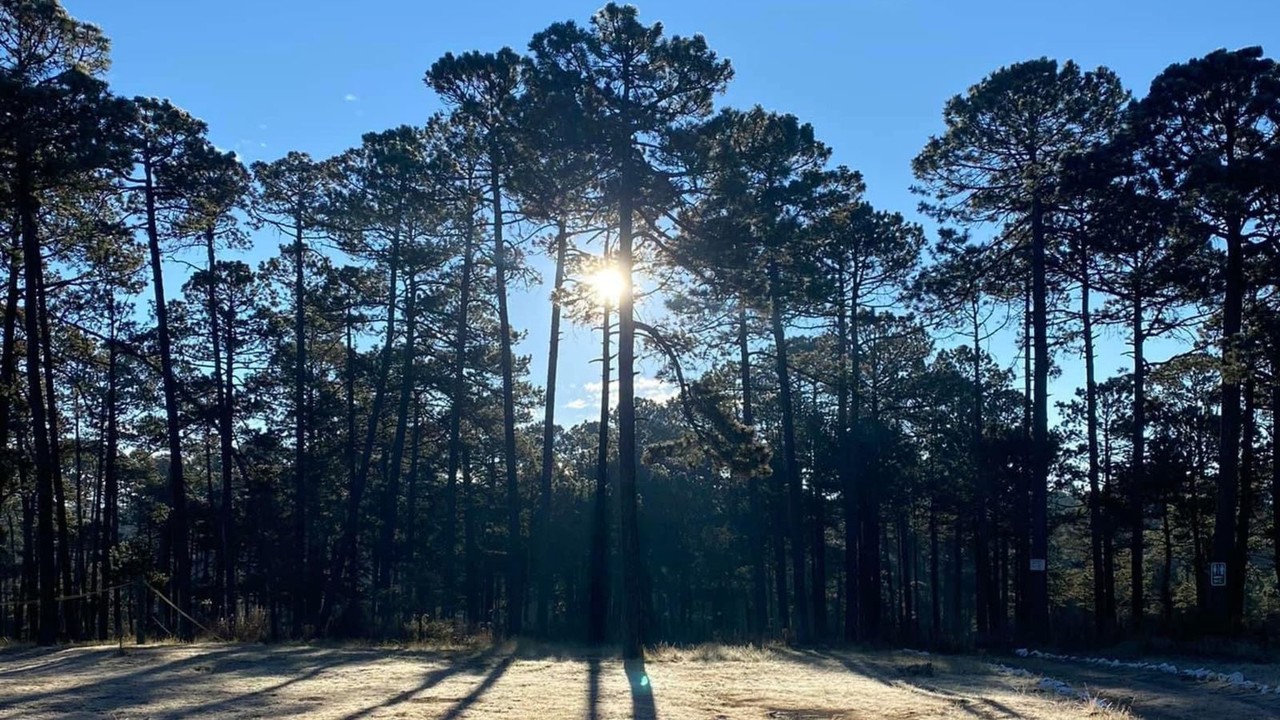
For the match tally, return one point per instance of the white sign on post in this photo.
(1218, 574)
(1037, 564)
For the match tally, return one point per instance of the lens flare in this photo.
(608, 285)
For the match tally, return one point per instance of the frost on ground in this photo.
(711, 683)
(1234, 679)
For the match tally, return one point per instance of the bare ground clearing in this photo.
(257, 681)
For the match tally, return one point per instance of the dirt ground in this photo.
(258, 681)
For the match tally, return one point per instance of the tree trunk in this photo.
(178, 524)
(345, 564)
(1275, 453)
(1100, 620)
(1229, 432)
(416, 586)
(759, 613)
(1022, 488)
(1166, 581)
(9, 354)
(791, 466)
(457, 403)
(515, 547)
(1137, 480)
(548, 440)
(957, 586)
(395, 469)
(34, 268)
(223, 597)
(226, 450)
(935, 599)
(844, 441)
(818, 589)
(471, 553)
(1240, 555)
(598, 590)
(629, 525)
(302, 550)
(1038, 582)
(111, 480)
(71, 608)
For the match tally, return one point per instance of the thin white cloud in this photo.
(659, 391)
(578, 404)
(350, 97)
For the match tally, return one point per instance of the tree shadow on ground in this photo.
(435, 677)
(642, 706)
(97, 675)
(494, 674)
(101, 664)
(593, 687)
(960, 689)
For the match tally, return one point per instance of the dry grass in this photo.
(705, 682)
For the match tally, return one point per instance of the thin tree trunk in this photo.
(957, 589)
(226, 450)
(791, 466)
(548, 440)
(1022, 489)
(471, 553)
(71, 608)
(44, 543)
(818, 589)
(628, 526)
(1275, 453)
(178, 524)
(395, 469)
(416, 590)
(598, 590)
(1137, 480)
(935, 600)
(457, 402)
(223, 598)
(1229, 434)
(759, 613)
(1038, 582)
(345, 565)
(111, 481)
(1240, 558)
(844, 440)
(1100, 620)
(9, 355)
(1166, 581)
(515, 547)
(302, 550)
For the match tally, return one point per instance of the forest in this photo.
(871, 441)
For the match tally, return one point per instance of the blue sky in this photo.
(271, 76)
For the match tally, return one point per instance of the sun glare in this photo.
(608, 285)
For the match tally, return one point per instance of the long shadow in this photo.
(854, 666)
(642, 707)
(240, 702)
(493, 676)
(434, 678)
(47, 659)
(70, 699)
(593, 687)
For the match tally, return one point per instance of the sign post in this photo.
(1218, 574)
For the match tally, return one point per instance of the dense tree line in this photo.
(343, 440)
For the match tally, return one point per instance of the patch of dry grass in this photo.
(703, 682)
(711, 652)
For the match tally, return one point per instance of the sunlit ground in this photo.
(257, 681)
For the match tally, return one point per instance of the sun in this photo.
(608, 285)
